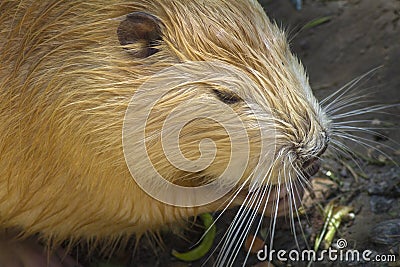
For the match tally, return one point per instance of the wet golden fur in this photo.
(65, 83)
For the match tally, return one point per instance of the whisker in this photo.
(251, 213)
(365, 144)
(296, 209)
(345, 151)
(362, 111)
(351, 122)
(288, 183)
(226, 236)
(346, 104)
(306, 187)
(362, 141)
(347, 87)
(346, 129)
(261, 220)
(353, 99)
(242, 216)
(276, 206)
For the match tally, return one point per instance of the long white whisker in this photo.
(365, 144)
(346, 151)
(260, 221)
(294, 191)
(242, 217)
(237, 223)
(362, 111)
(346, 129)
(346, 104)
(298, 215)
(288, 183)
(350, 100)
(276, 206)
(346, 88)
(352, 122)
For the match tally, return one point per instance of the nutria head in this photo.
(260, 81)
(73, 74)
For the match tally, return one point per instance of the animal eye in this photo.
(227, 97)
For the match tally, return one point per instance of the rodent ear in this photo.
(142, 31)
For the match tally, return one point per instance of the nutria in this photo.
(68, 72)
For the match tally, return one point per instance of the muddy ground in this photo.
(356, 37)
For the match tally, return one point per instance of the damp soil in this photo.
(356, 37)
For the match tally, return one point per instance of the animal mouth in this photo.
(311, 167)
